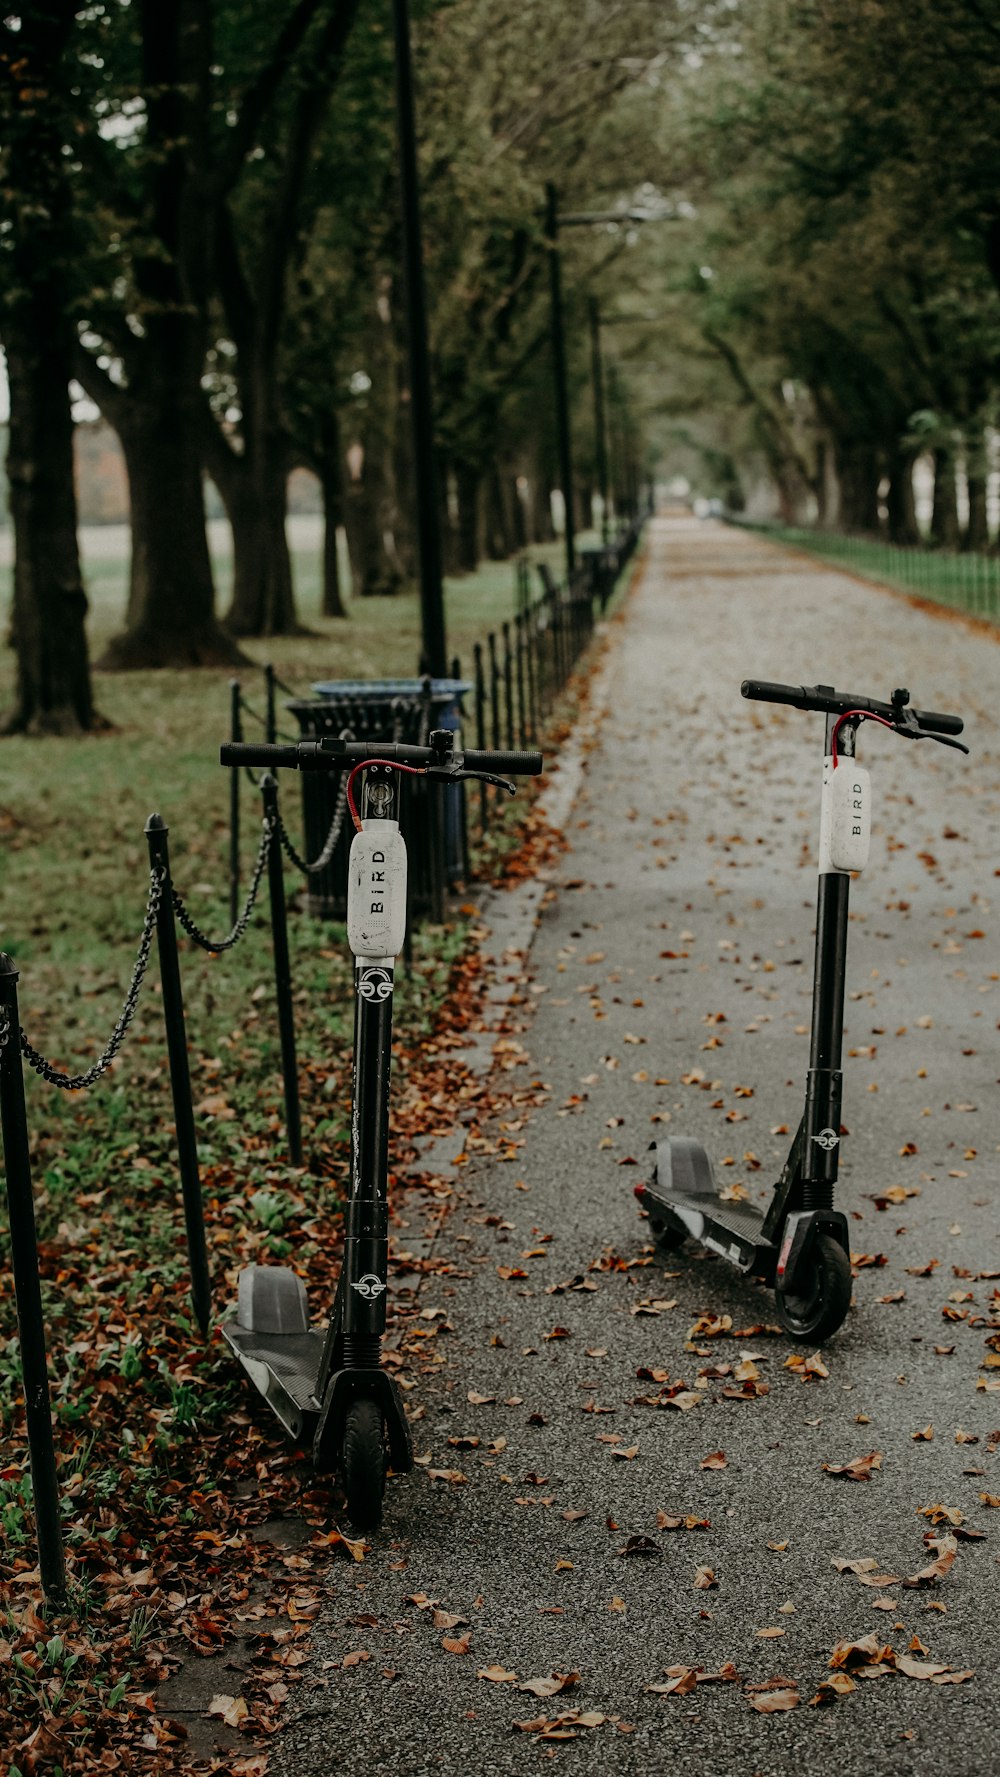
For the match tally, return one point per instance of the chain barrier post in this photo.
(477, 654)
(460, 789)
(282, 971)
(27, 1291)
(271, 724)
(236, 734)
(180, 1075)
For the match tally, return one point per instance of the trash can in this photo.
(432, 816)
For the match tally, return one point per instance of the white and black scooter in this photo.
(799, 1244)
(327, 1385)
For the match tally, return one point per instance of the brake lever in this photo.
(910, 731)
(444, 776)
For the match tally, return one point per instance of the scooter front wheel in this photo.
(363, 1462)
(669, 1238)
(822, 1296)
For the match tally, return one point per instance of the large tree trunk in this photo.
(331, 483)
(944, 515)
(171, 610)
(49, 608)
(859, 478)
(467, 529)
(901, 507)
(977, 531)
(263, 602)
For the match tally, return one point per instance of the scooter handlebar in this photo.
(837, 703)
(340, 755)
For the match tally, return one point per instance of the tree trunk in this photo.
(171, 615)
(859, 479)
(900, 500)
(467, 528)
(332, 487)
(50, 605)
(263, 602)
(944, 515)
(977, 531)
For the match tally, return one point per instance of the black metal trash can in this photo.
(432, 816)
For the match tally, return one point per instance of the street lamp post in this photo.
(435, 651)
(600, 436)
(559, 374)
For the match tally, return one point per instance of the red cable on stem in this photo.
(861, 715)
(393, 764)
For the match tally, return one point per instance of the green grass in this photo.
(966, 581)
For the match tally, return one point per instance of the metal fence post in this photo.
(28, 1294)
(508, 686)
(522, 732)
(235, 733)
(282, 972)
(180, 1075)
(271, 725)
(477, 654)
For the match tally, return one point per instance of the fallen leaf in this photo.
(232, 1710)
(547, 1687)
(716, 1460)
(497, 1675)
(860, 1468)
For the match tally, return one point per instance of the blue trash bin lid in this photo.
(442, 690)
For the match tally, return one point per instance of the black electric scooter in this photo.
(800, 1245)
(327, 1386)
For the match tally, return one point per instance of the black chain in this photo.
(329, 844)
(220, 944)
(76, 1082)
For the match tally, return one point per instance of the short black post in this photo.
(282, 972)
(459, 791)
(28, 1294)
(180, 1076)
(531, 666)
(491, 643)
(508, 686)
(269, 692)
(235, 733)
(477, 653)
(559, 371)
(522, 732)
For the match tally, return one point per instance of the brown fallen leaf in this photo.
(547, 1687)
(704, 1579)
(838, 1685)
(626, 1455)
(776, 1701)
(497, 1675)
(924, 1437)
(947, 1547)
(456, 1644)
(860, 1468)
(868, 1653)
(232, 1710)
(716, 1460)
(640, 1545)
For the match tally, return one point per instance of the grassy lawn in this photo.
(967, 581)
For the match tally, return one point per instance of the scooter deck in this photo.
(683, 1192)
(284, 1368)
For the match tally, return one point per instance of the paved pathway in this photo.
(670, 976)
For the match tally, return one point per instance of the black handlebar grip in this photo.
(764, 691)
(237, 752)
(516, 764)
(938, 724)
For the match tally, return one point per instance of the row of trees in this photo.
(199, 227)
(833, 312)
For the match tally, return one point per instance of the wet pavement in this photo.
(668, 988)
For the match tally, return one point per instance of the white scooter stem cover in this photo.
(376, 890)
(845, 816)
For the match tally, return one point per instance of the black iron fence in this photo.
(503, 700)
(516, 679)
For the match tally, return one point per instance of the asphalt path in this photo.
(669, 978)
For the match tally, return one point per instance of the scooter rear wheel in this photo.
(823, 1294)
(363, 1463)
